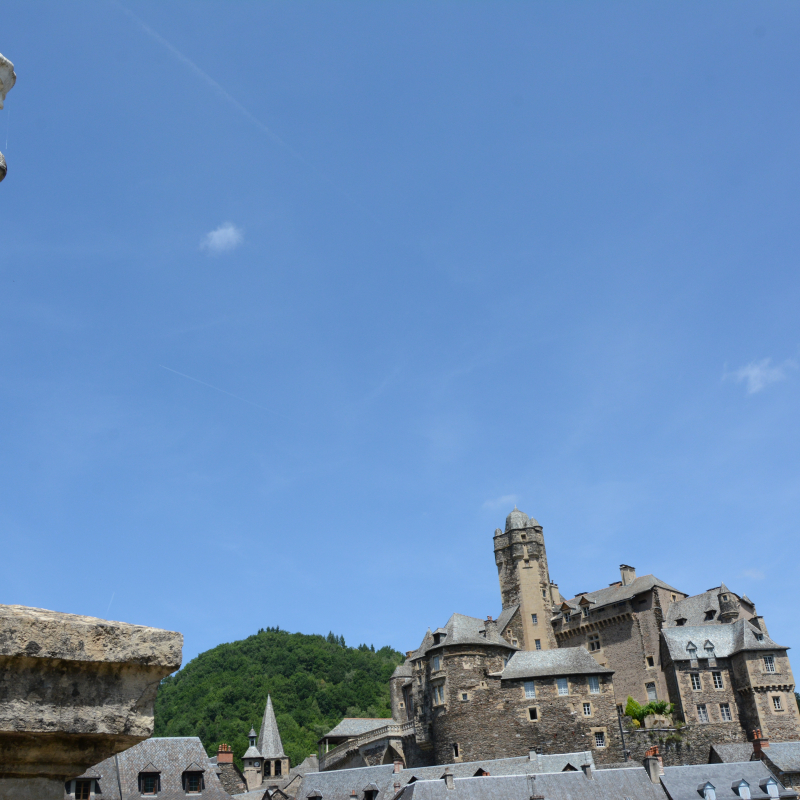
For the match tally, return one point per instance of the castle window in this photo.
(435, 663)
(464, 696)
(759, 637)
(455, 749)
(681, 621)
(83, 790)
(594, 684)
(710, 615)
(725, 712)
(702, 713)
(537, 643)
(587, 709)
(438, 694)
(567, 616)
(769, 663)
(535, 619)
(530, 689)
(717, 676)
(652, 693)
(149, 783)
(563, 685)
(776, 703)
(544, 593)
(696, 685)
(594, 642)
(585, 611)
(650, 661)
(533, 714)
(599, 739)
(672, 598)
(193, 782)
(724, 597)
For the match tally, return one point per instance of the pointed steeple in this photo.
(269, 740)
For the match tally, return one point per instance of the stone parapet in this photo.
(74, 691)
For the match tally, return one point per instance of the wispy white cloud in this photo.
(755, 574)
(225, 237)
(760, 374)
(501, 502)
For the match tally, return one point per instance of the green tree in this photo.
(314, 682)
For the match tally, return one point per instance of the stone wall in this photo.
(712, 698)
(494, 720)
(679, 746)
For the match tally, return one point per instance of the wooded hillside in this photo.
(314, 682)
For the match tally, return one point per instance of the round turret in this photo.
(519, 520)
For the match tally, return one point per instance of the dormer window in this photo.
(149, 783)
(681, 621)
(691, 649)
(83, 789)
(742, 788)
(759, 637)
(193, 782)
(708, 791)
(585, 611)
(566, 616)
(710, 615)
(770, 787)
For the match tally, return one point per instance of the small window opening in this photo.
(533, 714)
(599, 739)
(455, 749)
(83, 790)
(587, 709)
(650, 661)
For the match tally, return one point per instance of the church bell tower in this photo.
(521, 559)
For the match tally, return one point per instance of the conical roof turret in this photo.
(269, 740)
(519, 520)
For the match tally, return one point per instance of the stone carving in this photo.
(73, 691)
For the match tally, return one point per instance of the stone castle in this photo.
(552, 675)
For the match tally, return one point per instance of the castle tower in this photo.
(521, 560)
(728, 604)
(276, 764)
(251, 761)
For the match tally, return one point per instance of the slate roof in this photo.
(617, 593)
(683, 783)
(544, 663)
(693, 609)
(728, 753)
(610, 784)
(269, 740)
(461, 629)
(505, 617)
(355, 726)
(170, 757)
(735, 637)
(785, 756)
(337, 784)
(404, 670)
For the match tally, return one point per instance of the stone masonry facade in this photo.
(554, 675)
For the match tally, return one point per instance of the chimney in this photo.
(652, 765)
(759, 744)
(587, 770)
(398, 766)
(225, 754)
(448, 779)
(352, 794)
(490, 627)
(627, 573)
(396, 787)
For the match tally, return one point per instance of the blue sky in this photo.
(297, 300)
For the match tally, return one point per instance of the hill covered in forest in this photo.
(314, 682)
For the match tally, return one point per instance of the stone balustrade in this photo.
(392, 730)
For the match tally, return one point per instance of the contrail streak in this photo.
(216, 388)
(236, 104)
(109, 604)
(207, 78)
